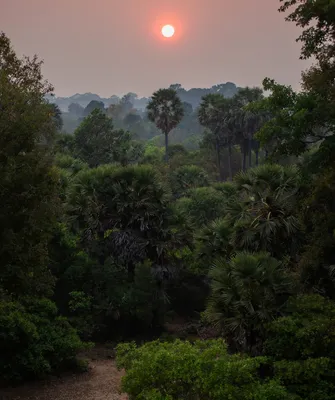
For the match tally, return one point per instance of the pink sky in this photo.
(113, 47)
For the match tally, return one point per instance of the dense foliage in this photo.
(34, 340)
(227, 236)
(204, 370)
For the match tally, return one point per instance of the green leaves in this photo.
(34, 340)
(165, 109)
(263, 211)
(301, 344)
(204, 370)
(28, 180)
(317, 17)
(247, 291)
(97, 142)
(187, 177)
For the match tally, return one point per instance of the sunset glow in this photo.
(168, 31)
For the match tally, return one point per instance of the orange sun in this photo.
(168, 31)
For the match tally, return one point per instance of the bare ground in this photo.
(102, 382)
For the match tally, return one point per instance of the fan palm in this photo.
(248, 122)
(166, 110)
(215, 114)
(212, 241)
(263, 212)
(247, 292)
(121, 210)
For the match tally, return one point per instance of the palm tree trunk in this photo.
(218, 155)
(250, 151)
(229, 162)
(166, 147)
(257, 157)
(244, 165)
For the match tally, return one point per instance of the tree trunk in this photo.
(257, 157)
(166, 147)
(244, 164)
(229, 162)
(218, 154)
(250, 151)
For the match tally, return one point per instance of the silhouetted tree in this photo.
(166, 110)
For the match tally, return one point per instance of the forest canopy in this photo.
(194, 230)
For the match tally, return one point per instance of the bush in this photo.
(34, 340)
(205, 370)
(187, 177)
(302, 345)
(201, 206)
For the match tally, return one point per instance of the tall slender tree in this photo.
(250, 121)
(166, 110)
(215, 114)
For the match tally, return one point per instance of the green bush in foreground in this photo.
(181, 370)
(34, 341)
(302, 347)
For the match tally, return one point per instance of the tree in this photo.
(301, 345)
(247, 292)
(211, 243)
(305, 118)
(317, 214)
(264, 213)
(298, 120)
(215, 114)
(248, 121)
(131, 119)
(56, 115)
(33, 339)
(93, 105)
(28, 181)
(187, 177)
(94, 139)
(200, 206)
(317, 39)
(166, 110)
(121, 212)
(76, 109)
(97, 142)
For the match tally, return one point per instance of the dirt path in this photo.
(102, 382)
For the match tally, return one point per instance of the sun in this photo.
(168, 31)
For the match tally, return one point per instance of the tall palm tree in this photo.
(215, 114)
(249, 121)
(166, 110)
(247, 291)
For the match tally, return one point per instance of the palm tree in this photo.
(166, 110)
(211, 242)
(247, 292)
(264, 210)
(249, 121)
(215, 114)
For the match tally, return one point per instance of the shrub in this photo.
(187, 177)
(302, 345)
(34, 340)
(205, 370)
(201, 206)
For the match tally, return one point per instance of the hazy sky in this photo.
(114, 46)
